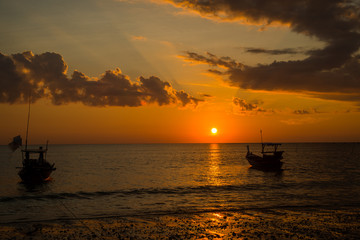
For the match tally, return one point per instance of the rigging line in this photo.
(28, 121)
(75, 217)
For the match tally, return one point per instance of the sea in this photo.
(96, 181)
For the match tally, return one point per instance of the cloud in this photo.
(243, 106)
(211, 59)
(342, 84)
(273, 51)
(205, 95)
(45, 76)
(306, 111)
(301, 111)
(328, 72)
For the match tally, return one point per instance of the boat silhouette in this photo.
(269, 159)
(36, 168)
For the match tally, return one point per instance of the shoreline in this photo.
(285, 223)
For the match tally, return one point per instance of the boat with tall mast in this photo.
(270, 159)
(36, 168)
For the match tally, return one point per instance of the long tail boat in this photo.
(268, 160)
(36, 168)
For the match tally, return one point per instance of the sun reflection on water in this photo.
(214, 161)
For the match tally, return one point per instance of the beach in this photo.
(284, 223)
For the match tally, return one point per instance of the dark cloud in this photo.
(273, 51)
(301, 112)
(44, 76)
(244, 106)
(205, 95)
(330, 71)
(306, 111)
(211, 59)
(341, 83)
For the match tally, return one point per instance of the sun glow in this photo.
(214, 130)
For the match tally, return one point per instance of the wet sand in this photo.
(289, 223)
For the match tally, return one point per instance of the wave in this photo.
(132, 192)
(275, 209)
(181, 191)
(168, 201)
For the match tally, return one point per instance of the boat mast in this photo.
(28, 121)
(262, 143)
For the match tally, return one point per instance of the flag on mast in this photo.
(16, 143)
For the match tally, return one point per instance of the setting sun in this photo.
(214, 130)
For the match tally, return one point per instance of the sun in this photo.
(214, 130)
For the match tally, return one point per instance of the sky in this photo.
(168, 71)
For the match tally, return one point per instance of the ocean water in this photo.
(94, 181)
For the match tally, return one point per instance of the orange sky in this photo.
(163, 72)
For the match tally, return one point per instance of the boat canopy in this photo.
(34, 150)
(275, 145)
(272, 144)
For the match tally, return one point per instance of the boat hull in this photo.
(265, 162)
(35, 174)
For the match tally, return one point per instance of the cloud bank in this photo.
(244, 106)
(44, 76)
(273, 51)
(332, 72)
